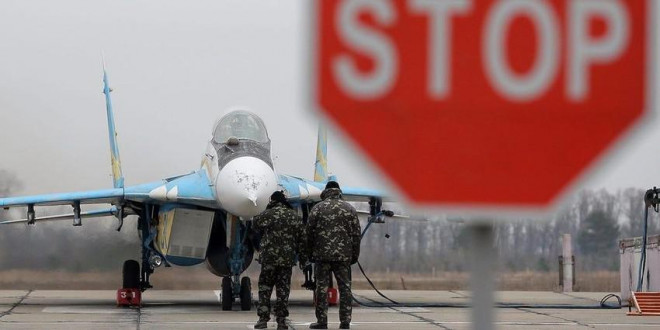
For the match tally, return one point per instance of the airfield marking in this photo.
(250, 325)
(139, 317)
(292, 325)
(83, 310)
(403, 310)
(16, 304)
(274, 324)
(429, 316)
(556, 317)
(462, 295)
(578, 297)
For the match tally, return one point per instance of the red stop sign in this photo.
(483, 103)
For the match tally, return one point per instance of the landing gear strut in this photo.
(234, 286)
(135, 279)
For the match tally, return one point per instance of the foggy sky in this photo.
(175, 67)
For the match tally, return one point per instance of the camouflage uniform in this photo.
(283, 236)
(334, 243)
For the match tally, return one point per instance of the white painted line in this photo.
(92, 324)
(627, 325)
(411, 309)
(86, 310)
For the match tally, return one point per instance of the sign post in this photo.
(488, 106)
(482, 274)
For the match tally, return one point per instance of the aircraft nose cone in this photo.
(244, 186)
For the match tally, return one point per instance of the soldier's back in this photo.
(331, 236)
(280, 237)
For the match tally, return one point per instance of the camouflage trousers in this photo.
(280, 278)
(322, 273)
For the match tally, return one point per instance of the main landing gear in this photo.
(131, 275)
(130, 293)
(232, 289)
(135, 277)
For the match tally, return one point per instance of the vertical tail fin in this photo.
(117, 176)
(321, 164)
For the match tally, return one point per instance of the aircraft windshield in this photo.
(241, 125)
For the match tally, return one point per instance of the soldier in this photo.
(283, 236)
(334, 243)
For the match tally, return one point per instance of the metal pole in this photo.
(482, 277)
(567, 254)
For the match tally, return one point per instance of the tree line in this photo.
(596, 220)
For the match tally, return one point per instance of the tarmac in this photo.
(200, 309)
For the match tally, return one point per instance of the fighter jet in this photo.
(205, 215)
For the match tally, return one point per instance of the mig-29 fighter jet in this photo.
(202, 216)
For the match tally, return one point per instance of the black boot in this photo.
(281, 324)
(318, 325)
(261, 324)
(345, 325)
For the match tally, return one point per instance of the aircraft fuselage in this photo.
(238, 166)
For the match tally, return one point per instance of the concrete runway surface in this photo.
(41, 309)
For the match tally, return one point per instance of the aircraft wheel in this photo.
(131, 274)
(227, 297)
(246, 294)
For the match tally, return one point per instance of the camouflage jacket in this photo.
(333, 229)
(283, 235)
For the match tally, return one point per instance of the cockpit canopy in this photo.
(241, 125)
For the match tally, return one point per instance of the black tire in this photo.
(246, 294)
(131, 275)
(227, 297)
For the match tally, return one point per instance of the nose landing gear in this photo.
(227, 296)
(232, 289)
(246, 294)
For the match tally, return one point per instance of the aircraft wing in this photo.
(90, 214)
(109, 196)
(190, 189)
(354, 194)
(299, 189)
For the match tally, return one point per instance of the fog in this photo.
(175, 67)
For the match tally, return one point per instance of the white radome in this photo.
(244, 186)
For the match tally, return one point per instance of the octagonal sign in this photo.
(488, 103)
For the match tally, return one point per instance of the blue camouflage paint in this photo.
(195, 185)
(292, 184)
(85, 197)
(193, 188)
